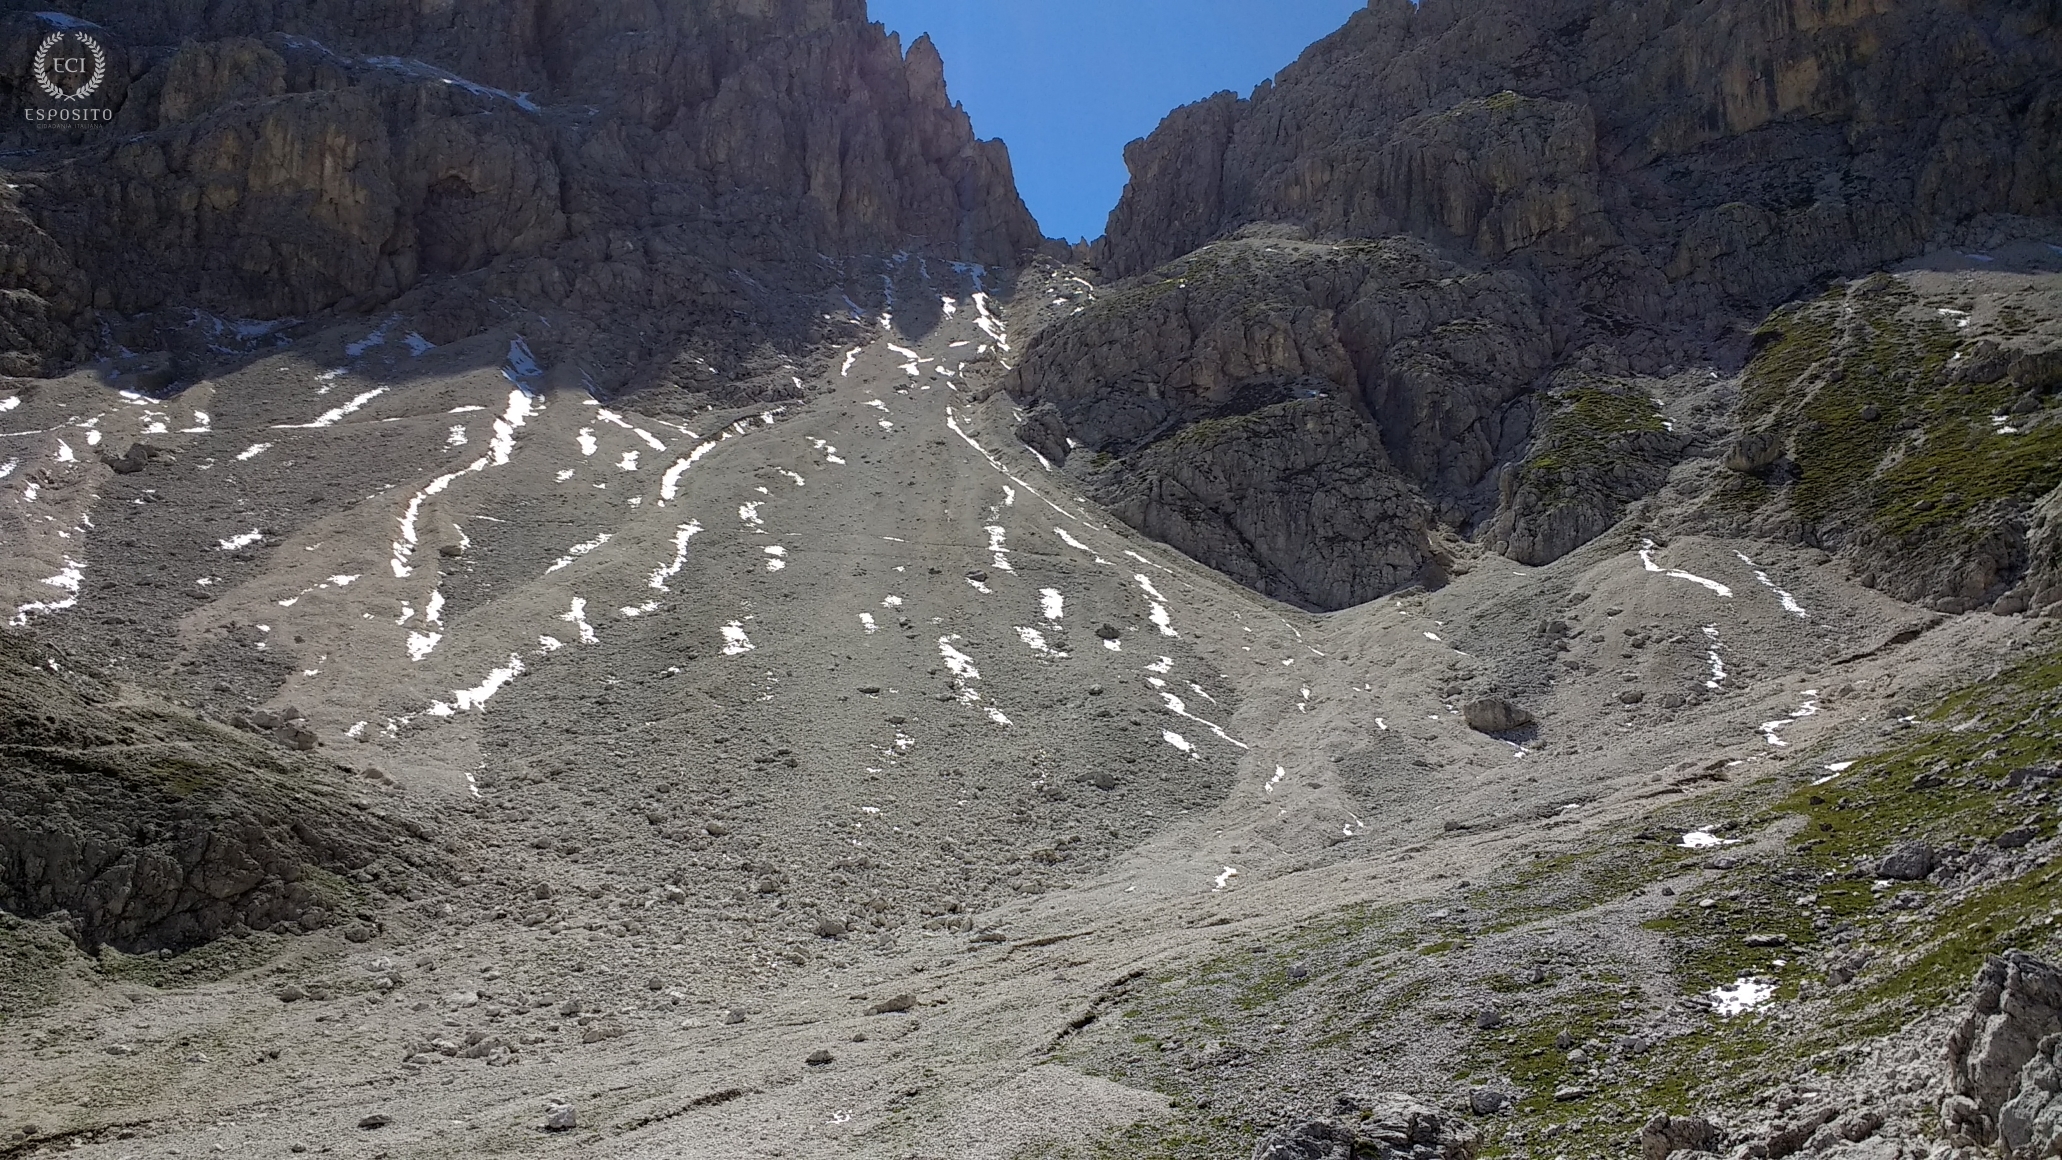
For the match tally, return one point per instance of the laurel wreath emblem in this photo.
(49, 86)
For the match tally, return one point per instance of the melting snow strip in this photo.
(522, 368)
(669, 486)
(1771, 731)
(475, 699)
(650, 440)
(377, 338)
(244, 540)
(1178, 741)
(1744, 994)
(735, 642)
(1052, 604)
(499, 450)
(577, 617)
(1647, 558)
(1176, 706)
(850, 357)
(1705, 840)
(1789, 602)
(1036, 640)
(1717, 662)
(681, 536)
(996, 535)
(578, 550)
(332, 417)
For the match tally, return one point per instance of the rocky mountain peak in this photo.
(600, 161)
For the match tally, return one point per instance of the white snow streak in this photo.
(1771, 731)
(577, 617)
(686, 532)
(1052, 604)
(578, 550)
(1789, 602)
(1647, 558)
(735, 642)
(332, 417)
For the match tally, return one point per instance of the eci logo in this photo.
(69, 68)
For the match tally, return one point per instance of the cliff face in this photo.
(639, 163)
(1601, 195)
(1661, 161)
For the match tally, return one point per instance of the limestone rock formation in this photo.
(1908, 425)
(146, 828)
(2015, 1011)
(1387, 1125)
(1295, 414)
(646, 166)
(1666, 165)
(1610, 195)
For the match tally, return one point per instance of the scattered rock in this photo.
(376, 1120)
(1494, 715)
(560, 1118)
(2016, 838)
(1108, 632)
(1908, 863)
(1665, 1135)
(2015, 1008)
(894, 1006)
(1631, 697)
(1314, 1140)
(1766, 940)
(1487, 1101)
(830, 928)
(818, 1058)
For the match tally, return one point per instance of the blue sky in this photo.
(1068, 82)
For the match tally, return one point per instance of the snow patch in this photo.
(1052, 604)
(1647, 558)
(1788, 601)
(1771, 731)
(577, 617)
(681, 536)
(1740, 996)
(578, 550)
(735, 642)
(244, 540)
(1036, 640)
(335, 415)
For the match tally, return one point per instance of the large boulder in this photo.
(1494, 715)
(2014, 1012)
